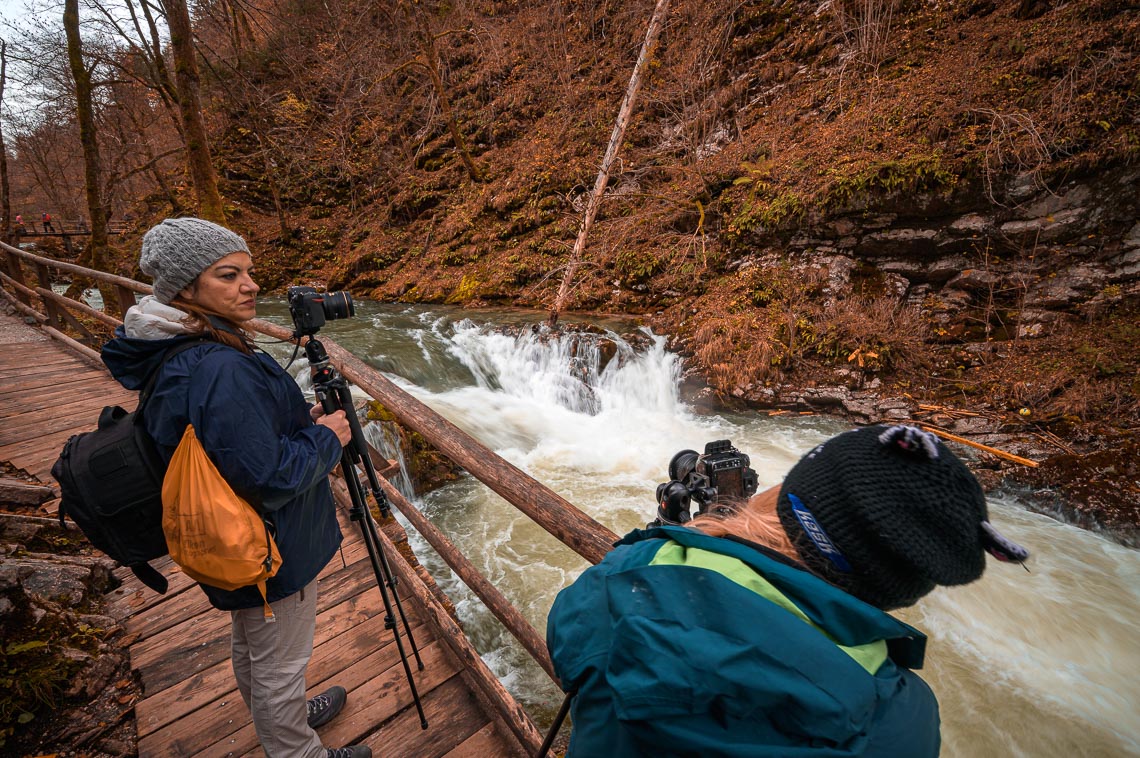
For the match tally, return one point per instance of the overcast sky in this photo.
(11, 10)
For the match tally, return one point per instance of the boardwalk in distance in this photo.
(179, 645)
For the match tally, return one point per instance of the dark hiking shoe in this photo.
(352, 751)
(324, 706)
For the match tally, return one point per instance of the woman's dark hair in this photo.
(199, 320)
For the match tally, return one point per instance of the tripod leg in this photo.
(385, 570)
(384, 578)
(357, 450)
(399, 606)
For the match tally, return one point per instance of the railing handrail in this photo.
(542, 505)
(72, 268)
(68, 227)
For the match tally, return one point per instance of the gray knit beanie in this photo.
(176, 250)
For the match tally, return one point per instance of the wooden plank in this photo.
(485, 742)
(35, 365)
(79, 404)
(50, 442)
(41, 452)
(53, 396)
(381, 713)
(29, 427)
(40, 369)
(17, 359)
(170, 612)
(20, 389)
(54, 378)
(33, 449)
(40, 466)
(453, 717)
(48, 380)
(376, 686)
(128, 600)
(345, 634)
(54, 393)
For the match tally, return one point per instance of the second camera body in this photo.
(720, 476)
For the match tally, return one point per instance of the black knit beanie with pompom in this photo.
(888, 513)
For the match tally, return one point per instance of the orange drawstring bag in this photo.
(213, 535)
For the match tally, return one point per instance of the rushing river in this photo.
(1045, 663)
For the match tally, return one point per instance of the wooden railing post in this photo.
(16, 271)
(50, 308)
(126, 299)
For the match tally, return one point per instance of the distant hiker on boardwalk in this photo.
(763, 631)
(46, 218)
(273, 448)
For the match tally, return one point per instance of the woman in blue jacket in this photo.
(272, 448)
(763, 632)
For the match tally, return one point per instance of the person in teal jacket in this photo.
(763, 632)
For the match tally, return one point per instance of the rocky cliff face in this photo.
(1044, 257)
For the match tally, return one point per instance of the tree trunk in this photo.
(189, 103)
(93, 256)
(624, 114)
(431, 63)
(166, 89)
(270, 179)
(5, 197)
(152, 161)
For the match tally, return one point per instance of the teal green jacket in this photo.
(681, 644)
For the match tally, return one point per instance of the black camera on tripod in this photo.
(311, 309)
(719, 477)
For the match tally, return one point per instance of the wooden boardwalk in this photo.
(47, 394)
(179, 645)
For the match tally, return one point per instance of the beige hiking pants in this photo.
(269, 661)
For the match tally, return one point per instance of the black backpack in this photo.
(110, 483)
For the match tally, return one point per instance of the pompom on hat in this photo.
(888, 513)
(176, 250)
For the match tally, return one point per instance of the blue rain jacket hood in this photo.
(683, 660)
(254, 423)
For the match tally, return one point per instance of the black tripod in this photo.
(333, 394)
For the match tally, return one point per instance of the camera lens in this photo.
(683, 464)
(337, 305)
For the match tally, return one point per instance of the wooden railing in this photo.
(71, 227)
(57, 308)
(549, 510)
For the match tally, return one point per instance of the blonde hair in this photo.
(198, 320)
(756, 521)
